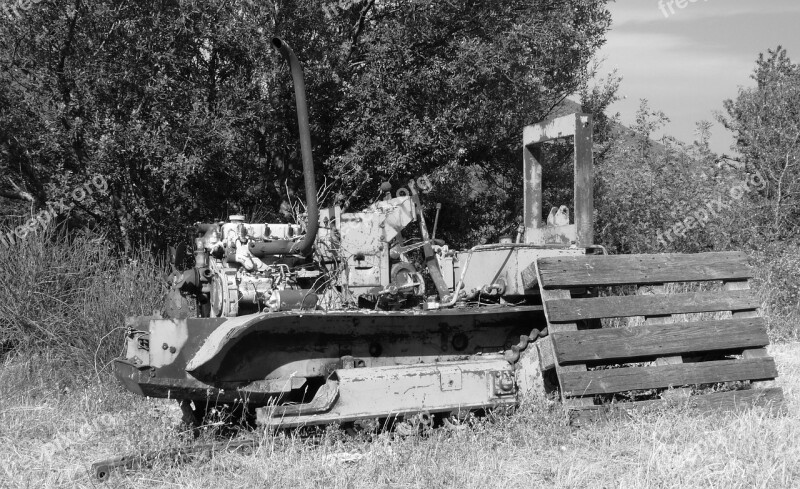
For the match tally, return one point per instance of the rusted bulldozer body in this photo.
(332, 323)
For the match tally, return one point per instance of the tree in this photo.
(187, 113)
(765, 120)
(662, 196)
(443, 89)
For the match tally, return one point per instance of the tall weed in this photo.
(65, 295)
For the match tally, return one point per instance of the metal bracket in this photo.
(578, 127)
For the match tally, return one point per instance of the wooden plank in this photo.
(666, 360)
(594, 270)
(659, 340)
(562, 370)
(745, 285)
(640, 378)
(741, 285)
(717, 402)
(654, 290)
(571, 310)
(751, 353)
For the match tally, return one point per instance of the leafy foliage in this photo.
(188, 113)
(644, 187)
(443, 89)
(766, 122)
(647, 190)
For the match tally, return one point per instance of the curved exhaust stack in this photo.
(302, 247)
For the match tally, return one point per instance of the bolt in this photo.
(507, 383)
(172, 349)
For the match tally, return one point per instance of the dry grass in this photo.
(68, 295)
(531, 448)
(776, 283)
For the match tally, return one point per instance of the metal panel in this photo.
(490, 263)
(450, 378)
(363, 393)
(584, 180)
(561, 127)
(167, 337)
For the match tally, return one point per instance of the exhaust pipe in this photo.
(302, 247)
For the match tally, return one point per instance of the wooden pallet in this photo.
(662, 356)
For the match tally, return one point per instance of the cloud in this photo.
(686, 80)
(638, 13)
(657, 55)
(687, 64)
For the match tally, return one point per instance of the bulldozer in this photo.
(331, 321)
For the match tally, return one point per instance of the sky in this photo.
(687, 61)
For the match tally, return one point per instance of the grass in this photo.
(533, 447)
(776, 283)
(68, 294)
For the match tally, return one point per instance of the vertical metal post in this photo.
(532, 168)
(584, 180)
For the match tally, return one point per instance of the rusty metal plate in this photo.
(450, 378)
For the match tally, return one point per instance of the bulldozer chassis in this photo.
(332, 323)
